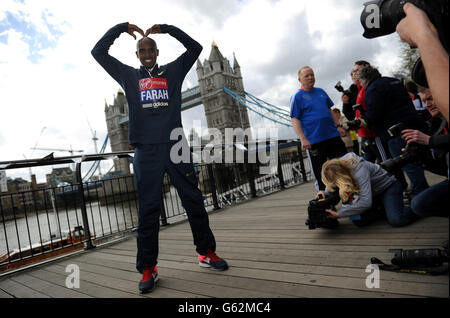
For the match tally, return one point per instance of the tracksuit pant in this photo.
(150, 164)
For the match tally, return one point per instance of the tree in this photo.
(408, 57)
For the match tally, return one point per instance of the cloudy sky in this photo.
(50, 86)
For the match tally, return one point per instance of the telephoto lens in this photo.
(419, 257)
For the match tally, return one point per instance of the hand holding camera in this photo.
(415, 136)
(416, 26)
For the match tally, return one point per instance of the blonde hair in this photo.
(337, 173)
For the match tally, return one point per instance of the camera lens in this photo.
(381, 17)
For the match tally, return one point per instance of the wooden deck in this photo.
(270, 251)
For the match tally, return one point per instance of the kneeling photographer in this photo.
(435, 200)
(367, 192)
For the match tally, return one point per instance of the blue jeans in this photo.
(433, 201)
(415, 173)
(397, 213)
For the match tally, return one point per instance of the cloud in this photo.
(38, 31)
(215, 12)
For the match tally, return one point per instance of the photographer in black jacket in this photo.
(435, 200)
(388, 104)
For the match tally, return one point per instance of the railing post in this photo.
(280, 172)
(87, 232)
(163, 211)
(212, 184)
(250, 174)
(302, 163)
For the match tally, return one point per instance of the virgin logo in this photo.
(144, 83)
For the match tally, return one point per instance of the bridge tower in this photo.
(221, 110)
(118, 130)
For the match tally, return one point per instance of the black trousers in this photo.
(150, 164)
(323, 151)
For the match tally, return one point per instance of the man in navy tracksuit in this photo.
(153, 93)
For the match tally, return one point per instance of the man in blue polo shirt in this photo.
(313, 123)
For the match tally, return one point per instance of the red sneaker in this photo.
(211, 260)
(149, 280)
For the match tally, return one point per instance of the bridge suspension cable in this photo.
(268, 111)
(96, 164)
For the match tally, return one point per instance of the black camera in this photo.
(359, 107)
(413, 153)
(430, 261)
(419, 258)
(341, 89)
(380, 17)
(317, 216)
(354, 124)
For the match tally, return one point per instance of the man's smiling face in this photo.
(147, 52)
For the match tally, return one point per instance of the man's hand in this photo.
(305, 144)
(332, 214)
(134, 28)
(416, 136)
(416, 26)
(153, 30)
(342, 131)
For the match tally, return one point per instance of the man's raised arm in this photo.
(417, 30)
(193, 47)
(100, 52)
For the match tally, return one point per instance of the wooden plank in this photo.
(387, 286)
(390, 287)
(19, 290)
(123, 281)
(193, 272)
(179, 283)
(287, 256)
(58, 275)
(349, 242)
(325, 270)
(5, 295)
(131, 246)
(330, 234)
(301, 283)
(48, 288)
(396, 287)
(343, 262)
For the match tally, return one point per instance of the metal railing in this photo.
(36, 224)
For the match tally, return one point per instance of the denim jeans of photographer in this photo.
(416, 174)
(435, 200)
(397, 213)
(391, 199)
